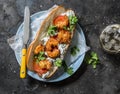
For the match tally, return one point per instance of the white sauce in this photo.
(50, 59)
(61, 47)
(45, 74)
(45, 39)
(68, 13)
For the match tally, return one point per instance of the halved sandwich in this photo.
(46, 53)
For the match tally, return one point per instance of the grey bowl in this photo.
(110, 39)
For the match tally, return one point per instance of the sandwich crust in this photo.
(40, 34)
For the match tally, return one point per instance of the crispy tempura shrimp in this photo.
(64, 36)
(45, 64)
(61, 21)
(39, 48)
(52, 48)
(42, 67)
(53, 53)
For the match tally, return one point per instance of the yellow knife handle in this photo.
(23, 64)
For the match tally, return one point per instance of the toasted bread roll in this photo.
(42, 35)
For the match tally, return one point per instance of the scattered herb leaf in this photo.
(74, 50)
(70, 28)
(40, 56)
(58, 62)
(92, 59)
(67, 69)
(70, 70)
(37, 61)
(52, 30)
(66, 28)
(73, 20)
(94, 55)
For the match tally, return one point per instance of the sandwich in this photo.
(47, 51)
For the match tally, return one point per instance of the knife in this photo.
(25, 40)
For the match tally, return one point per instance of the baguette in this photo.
(41, 34)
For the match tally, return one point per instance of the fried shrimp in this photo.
(42, 67)
(39, 48)
(61, 21)
(52, 48)
(64, 36)
(45, 64)
(54, 53)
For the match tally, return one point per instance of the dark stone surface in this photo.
(94, 15)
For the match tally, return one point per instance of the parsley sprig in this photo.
(58, 62)
(40, 56)
(67, 69)
(70, 28)
(74, 50)
(73, 20)
(52, 30)
(70, 70)
(92, 59)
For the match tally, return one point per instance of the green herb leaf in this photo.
(94, 55)
(94, 66)
(92, 59)
(65, 28)
(40, 56)
(41, 53)
(37, 61)
(74, 50)
(64, 65)
(72, 27)
(52, 30)
(58, 62)
(70, 70)
(73, 20)
(67, 69)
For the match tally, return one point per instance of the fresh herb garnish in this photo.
(70, 70)
(67, 69)
(40, 56)
(52, 30)
(74, 50)
(92, 59)
(70, 28)
(58, 62)
(73, 20)
(65, 28)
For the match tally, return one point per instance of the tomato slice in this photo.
(61, 21)
(37, 69)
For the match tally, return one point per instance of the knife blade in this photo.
(25, 40)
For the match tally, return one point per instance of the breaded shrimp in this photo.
(45, 64)
(39, 48)
(52, 48)
(64, 36)
(53, 53)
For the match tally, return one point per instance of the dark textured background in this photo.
(94, 16)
